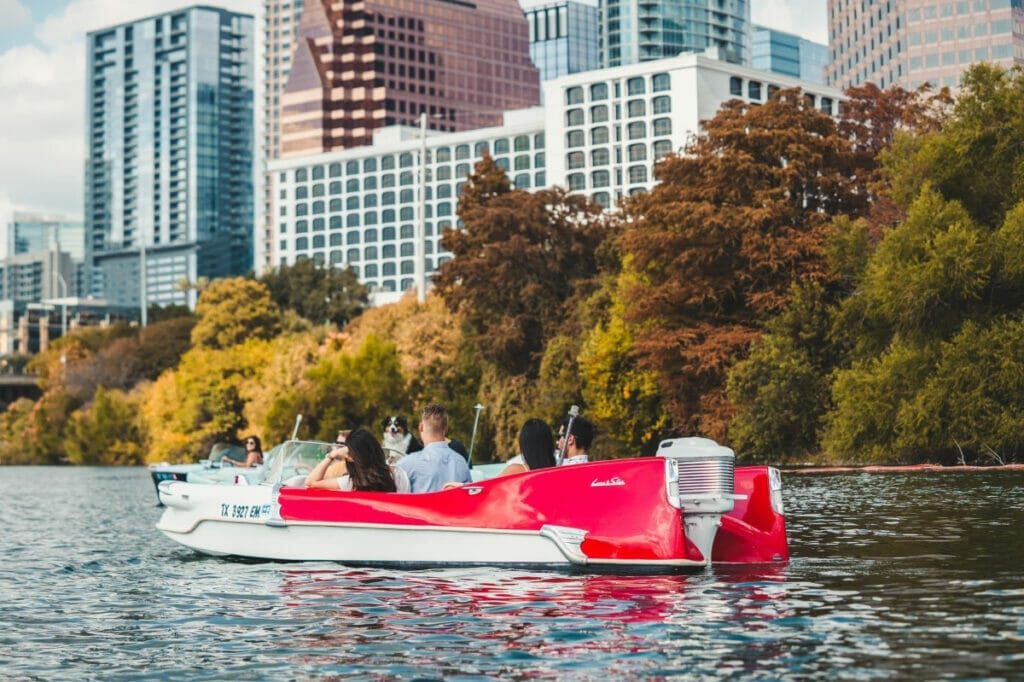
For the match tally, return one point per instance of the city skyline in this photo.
(42, 125)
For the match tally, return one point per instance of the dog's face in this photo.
(395, 426)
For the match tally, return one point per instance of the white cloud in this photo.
(807, 18)
(13, 16)
(42, 119)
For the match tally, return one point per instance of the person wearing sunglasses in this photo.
(253, 454)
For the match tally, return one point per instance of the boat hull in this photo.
(617, 515)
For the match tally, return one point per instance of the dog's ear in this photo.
(402, 423)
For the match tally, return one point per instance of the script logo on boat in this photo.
(611, 482)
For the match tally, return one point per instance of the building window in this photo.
(598, 91)
(602, 199)
(661, 82)
(636, 130)
(599, 157)
(572, 96)
(637, 174)
(575, 138)
(600, 178)
(522, 143)
(636, 107)
(522, 181)
(574, 117)
(662, 148)
(575, 160)
(370, 235)
(662, 126)
(335, 170)
(462, 152)
(754, 91)
(387, 162)
(637, 152)
(577, 181)
(599, 135)
(599, 113)
(635, 86)
(501, 145)
(662, 104)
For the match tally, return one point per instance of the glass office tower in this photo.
(169, 173)
(359, 66)
(789, 54)
(642, 30)
(563, 36)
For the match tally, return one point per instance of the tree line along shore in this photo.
(798, 286)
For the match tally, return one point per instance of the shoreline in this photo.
(896, 468)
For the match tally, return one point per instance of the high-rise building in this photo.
(367, 207)
(361, 65)
(599, 133)
(606, 129)
(642, 30)
(563, 36)
(911, 42)
(49, 245)
(280, 21)
(788, 53)
(169, 173)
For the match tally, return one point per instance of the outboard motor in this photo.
(701, 484)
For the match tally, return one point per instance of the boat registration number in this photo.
(244, 511)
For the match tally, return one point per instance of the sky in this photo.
(42, 85)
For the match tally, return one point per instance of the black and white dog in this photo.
(397, 436)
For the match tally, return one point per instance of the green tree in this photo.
(202, 402)
(105, 432)
(343, 391)
(231, 311)
(319, 293)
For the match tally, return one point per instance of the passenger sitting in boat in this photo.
(336, 468)
(366, 468)
(253, 454)
(580, 437)
(537, 448)
(436, 464)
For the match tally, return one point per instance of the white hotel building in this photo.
(600, 134)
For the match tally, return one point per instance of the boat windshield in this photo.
(235, 452)
(293, 458)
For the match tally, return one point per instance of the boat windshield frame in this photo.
(293, 458)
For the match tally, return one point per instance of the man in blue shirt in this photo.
(436, 464)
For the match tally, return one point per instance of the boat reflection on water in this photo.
(748, 594)
(513, 624)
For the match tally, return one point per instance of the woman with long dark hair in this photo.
(537, 448)
(366, 468)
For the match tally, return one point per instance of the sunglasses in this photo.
(340, 443)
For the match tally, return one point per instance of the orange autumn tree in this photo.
(712, 250)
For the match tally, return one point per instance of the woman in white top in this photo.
(365, 467)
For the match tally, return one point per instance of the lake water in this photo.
(913, 576)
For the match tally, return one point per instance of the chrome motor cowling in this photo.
(700, 481)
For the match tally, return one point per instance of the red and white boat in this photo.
(687, 507)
